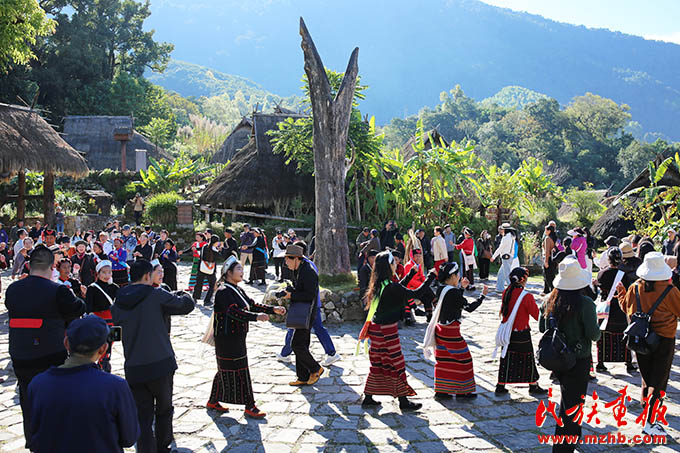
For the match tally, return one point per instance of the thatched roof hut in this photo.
(408, 151)
(256, 176)
(612, 221)
(238, 138)
(27, 142)
(95, 137)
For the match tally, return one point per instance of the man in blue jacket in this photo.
(38, 310)
(77, 406)
(143, 313)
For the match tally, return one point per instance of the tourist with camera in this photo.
(141, 311)
(102, 415)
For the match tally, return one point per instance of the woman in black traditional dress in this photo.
(233, 312)
(611, 346)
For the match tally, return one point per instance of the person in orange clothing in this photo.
(517, 365)
(655, 367)
(468, 257)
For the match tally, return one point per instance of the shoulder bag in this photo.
(639, 336)
(553, 352)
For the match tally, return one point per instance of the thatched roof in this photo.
(612, 223)
(407, 151)
(256, 176)
(236, 140)
(94, 137)
(27, 142)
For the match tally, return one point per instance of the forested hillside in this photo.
(412, 51)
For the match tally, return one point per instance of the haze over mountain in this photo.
(412, 51)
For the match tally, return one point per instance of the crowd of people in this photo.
(75, 296)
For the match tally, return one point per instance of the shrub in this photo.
(161, 209)
(71, 202)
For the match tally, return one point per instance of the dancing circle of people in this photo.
(129, 280)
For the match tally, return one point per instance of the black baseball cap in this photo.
(87, 334)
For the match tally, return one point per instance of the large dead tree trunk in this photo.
(331, 128)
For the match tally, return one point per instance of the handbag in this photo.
(209, 336)
(505, 329)
(639, 336)
(299, 315)
(486, 254)
(553, 352)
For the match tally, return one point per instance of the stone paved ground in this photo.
(328, 416)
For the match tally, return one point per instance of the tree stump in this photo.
(331, 129)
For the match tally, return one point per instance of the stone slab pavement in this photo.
(328, 416)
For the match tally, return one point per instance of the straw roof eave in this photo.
(27, 142)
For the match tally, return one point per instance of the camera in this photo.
(116, 334)
(280, 294)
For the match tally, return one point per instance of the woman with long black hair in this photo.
(387, 300)
(611, 346)
(576, 318)
(207, 269)
(517, 364)
(234, 310)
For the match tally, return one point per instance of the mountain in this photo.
(514, 97)
(412, 51)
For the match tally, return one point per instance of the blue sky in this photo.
(656, 19)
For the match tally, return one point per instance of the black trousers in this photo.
(549, 274)
(198, 288)
(170, 276)
(484, 264)
(24, 377)
(154, 398)
(469, 273)
(451, 255)
(279, 266)
(655, 369)
(304, 361)
(573, 386)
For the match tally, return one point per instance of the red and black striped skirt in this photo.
(453, 372)
(387, 375)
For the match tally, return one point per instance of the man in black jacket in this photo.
(141, 310)
(39, 310)
(230, 245)
(305, 290)
(364, 273)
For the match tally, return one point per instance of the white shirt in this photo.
(108, 247)
(505, 247)
(439, 251)
(17, 247)
(279, 247)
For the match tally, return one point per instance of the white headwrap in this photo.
(103, 263)
(155, 263)
(227, 264)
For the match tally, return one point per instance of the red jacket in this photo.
(528, 308)
(468, 246)
(417, 279)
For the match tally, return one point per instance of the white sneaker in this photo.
(654, 429)
(284, 358)
(331, 359)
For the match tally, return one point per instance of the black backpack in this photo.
(639, 336)
(553, 352)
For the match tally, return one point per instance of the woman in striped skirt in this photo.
(195, 250)
(518, 365)
(387, 375)
(453, 370)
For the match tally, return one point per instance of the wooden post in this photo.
(123, 157)
(331, 129)
(21, 201)
(48, 198)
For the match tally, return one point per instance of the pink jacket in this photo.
(579, 245)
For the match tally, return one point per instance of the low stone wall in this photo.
(336, 307)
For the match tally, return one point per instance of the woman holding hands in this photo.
(234, 310)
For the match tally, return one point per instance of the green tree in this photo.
(22, 22)
(586, 204)
(159, 131)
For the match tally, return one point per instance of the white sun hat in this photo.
(571, 275)
(654, 268)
